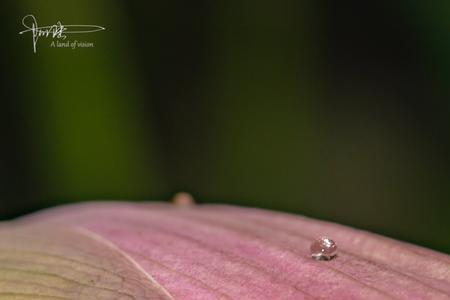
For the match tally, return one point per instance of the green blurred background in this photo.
(337, 110)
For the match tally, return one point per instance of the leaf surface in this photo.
(114, 250)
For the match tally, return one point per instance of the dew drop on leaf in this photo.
(323, 248)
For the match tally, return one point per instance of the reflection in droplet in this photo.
(323, 248)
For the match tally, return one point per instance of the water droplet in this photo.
(323, 248)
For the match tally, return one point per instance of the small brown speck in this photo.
(183, 199)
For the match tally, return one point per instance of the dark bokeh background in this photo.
(333, 109)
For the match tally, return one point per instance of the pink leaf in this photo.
(183, 251)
